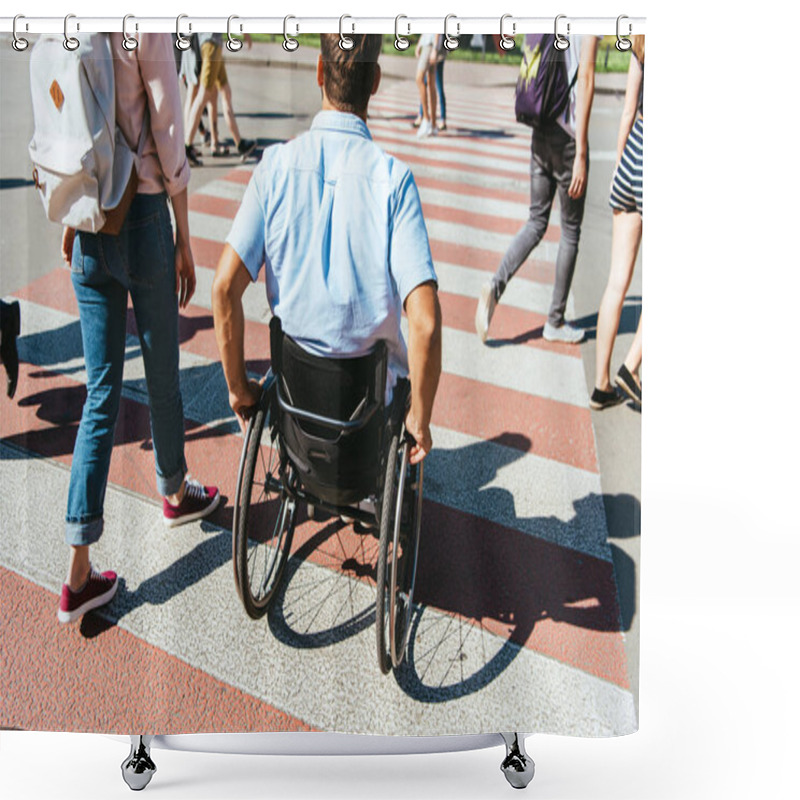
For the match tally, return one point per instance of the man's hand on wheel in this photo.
(243, 402)
(421, 436)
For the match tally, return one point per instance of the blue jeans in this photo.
(140, 260)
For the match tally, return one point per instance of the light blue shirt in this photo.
(338, 224)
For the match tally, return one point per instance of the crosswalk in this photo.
(518, 624)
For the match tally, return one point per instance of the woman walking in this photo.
(626, 201)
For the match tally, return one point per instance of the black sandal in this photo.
(601, 399)
(627, 383)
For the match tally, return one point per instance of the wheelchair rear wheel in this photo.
(401, 517)
(263, 513)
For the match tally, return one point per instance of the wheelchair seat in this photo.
(331, 417)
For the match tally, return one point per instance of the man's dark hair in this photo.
(348, 75)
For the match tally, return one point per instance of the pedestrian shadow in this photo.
(14, 183)
(270, 115)
(190, 569)
(495, 134)
(628, 321)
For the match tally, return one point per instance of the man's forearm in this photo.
(425, 364)
(229, 330)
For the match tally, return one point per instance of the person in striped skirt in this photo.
(626, 201)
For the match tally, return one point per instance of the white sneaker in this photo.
(485, 310)
(425, 129)
(565, 333)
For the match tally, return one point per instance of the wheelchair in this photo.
(321, 434)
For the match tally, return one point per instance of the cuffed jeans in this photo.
(552, 158)
(140, 260)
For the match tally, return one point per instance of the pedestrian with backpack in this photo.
(554, 96)
(111, 188)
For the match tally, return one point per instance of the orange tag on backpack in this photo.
(56, 95)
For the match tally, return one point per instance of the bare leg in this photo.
(634, 358)
(79, 567)
(625, 238)
(191, 94)
(213, 117)
(431, 88)
(203, 96)
(423, 94)
(227, 110)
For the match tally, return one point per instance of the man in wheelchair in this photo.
(345, 413)
(338, 224)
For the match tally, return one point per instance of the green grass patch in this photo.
(609, 59)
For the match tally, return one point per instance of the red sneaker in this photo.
(98, 590)
(198, 502)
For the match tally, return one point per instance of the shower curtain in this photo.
(525, 604)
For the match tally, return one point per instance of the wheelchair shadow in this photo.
(320, 608)
(486, 592)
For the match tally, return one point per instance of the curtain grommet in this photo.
(289, 43)
(451, 42)
(561, 42)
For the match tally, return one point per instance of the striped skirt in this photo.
(626, 187)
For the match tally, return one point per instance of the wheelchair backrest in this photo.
(331, 417)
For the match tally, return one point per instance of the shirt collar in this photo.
(341, 121)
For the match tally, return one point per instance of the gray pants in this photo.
(552, 157)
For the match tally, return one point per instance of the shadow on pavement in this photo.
(629, 320)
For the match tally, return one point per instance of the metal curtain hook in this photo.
(181, 42)
(129, 42)
(18, 43)
(507, 42)
(70, 42)
(234, 45)
(451, 42)
(400, 42)
(289, 44)
(623, 44)
(345, 42)
(561, 42)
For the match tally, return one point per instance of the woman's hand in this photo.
(185, 280)
(577, 185)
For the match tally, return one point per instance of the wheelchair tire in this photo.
(399, 534)
(263, 525)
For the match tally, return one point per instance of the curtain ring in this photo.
(400, 42)
(451, 42)
(129, 42)
(289, 44)
(345, 42)
(561, 42)
(507, 42)
(181, 41)
(234, 45)
(70, 42)
(623, 44)
(18, 43)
